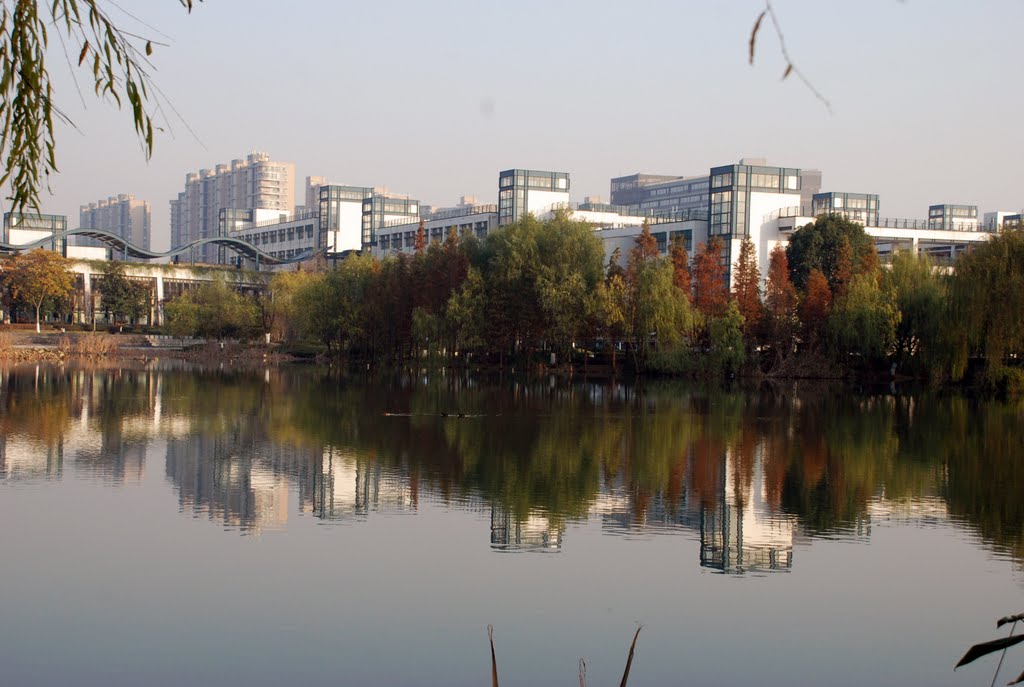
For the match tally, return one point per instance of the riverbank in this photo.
(21, 346)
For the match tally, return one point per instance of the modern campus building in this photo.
(122, 215)
(520, 192)
(953, 217)
(23, 229)
(255, 183)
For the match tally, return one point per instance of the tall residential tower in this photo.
(256, 182)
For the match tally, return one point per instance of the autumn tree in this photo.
(843, 271)
(37, 278)
(815, 307)
(746, 290)
(421, 238)
(645, 247)
(710, 296)
(781, 300)
(680, 265)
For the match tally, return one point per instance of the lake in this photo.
(175, 524)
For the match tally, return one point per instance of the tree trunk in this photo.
(38, 306)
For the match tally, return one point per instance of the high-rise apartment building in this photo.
(122, 215)
(256, 182)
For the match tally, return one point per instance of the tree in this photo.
(214, 310)
(709, 293)
(920, 297)
(780, 299)
(38, 277)
(987, 302)
(116, 60)
(815, 307)
(864, 320)
(421, 238)
(819, 246)
(680, 265)
(123, 299)
(746, 290)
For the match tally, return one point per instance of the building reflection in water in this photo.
(246, 453)
(347, 487)
(534, 533)
(21, 459)
(742, 533)
(233, 480)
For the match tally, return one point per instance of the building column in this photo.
(914, 246)
(158, 318)
(88, 312)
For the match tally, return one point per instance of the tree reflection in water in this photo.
(748, 472)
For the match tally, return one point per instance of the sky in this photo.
(433, 99)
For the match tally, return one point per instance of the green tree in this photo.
(181, 316)
(819, 245)
(214, 310)
(123, 299)
(38, 277)
(571, 269)
(920, 296)
(987, 302)
(728, 352)
(116, 60)
(863, 321)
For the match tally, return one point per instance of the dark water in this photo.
(167, 527)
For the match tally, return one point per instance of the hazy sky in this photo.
(432, 99)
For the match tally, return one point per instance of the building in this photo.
(282, 236)
(525, 191)
(464, 220)
(382, 208)
(312, 203)
(255, 183)
(122, 215)
(341, 217)
(659, 195)
(953, 217)
(22, 228)
(687, 197)
(995, 221)
(857, 207)
(522, 191)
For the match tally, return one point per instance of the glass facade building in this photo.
(380, 208)
(730, 191)
(953, 217)
(858, 207)
(333, 202)
(515, 186)
(35, 227)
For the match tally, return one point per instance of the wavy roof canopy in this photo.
(239, 246)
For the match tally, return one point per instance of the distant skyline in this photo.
(433, 100)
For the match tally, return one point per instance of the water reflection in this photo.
(747, 476)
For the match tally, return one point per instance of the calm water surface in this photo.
(187, 526)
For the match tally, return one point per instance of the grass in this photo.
(88, 345)
(583, 664)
